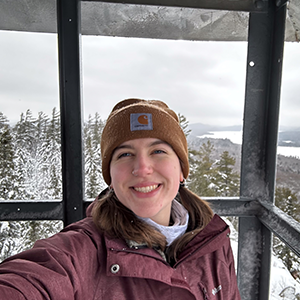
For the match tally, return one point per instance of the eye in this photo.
(125, 154)
(159, 151)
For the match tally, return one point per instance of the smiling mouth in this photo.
(146, 189)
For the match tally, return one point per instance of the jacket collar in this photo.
(208, 240)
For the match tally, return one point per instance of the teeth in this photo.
(146, 189)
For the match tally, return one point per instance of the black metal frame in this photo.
(245, 5)
(69, 29)
(259, 218)
(259, 149)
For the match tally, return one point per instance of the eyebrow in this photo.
(128, 146)
(158, 142)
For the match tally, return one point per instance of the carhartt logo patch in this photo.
(141, 122)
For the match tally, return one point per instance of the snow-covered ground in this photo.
(282, 284)
(236, 138)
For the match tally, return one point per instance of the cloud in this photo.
(290, 90)
(204, 81)
(29, 73)
(185, 74)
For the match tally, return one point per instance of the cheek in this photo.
(113, 176)
(118, 175)
(174, 172)
(178, 170)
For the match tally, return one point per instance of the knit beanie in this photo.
(136, 118)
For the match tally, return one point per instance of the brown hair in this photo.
(116, 220)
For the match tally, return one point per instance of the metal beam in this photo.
(265, 48)
(237, 5)
(281, 224)
(69, 27)
(235, 206)
(30, 210)
(285, 227)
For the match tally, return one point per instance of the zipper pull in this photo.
(205, 294)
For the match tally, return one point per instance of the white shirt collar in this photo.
(180, 217)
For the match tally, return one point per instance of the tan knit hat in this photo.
(136, 118)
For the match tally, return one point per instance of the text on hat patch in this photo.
(141, 121)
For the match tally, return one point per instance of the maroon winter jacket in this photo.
(81, 263)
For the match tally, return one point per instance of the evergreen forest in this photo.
(30, 168)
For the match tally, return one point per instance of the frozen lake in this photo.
(236, 138)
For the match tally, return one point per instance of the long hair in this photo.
(200, 215)
(116, 220)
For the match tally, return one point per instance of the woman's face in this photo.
(145, 175)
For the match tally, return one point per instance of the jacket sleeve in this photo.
(56, 268)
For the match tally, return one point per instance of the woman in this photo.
(145, 237)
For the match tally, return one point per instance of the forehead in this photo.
(143, 142)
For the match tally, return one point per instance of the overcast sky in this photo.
(204, 81)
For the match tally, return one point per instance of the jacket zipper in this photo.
(205, 293)
(202, 246)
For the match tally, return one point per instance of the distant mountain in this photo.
(289, 128)
(198, 129)
(287, 136)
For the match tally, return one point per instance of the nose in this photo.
(142, 166)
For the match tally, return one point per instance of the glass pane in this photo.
(30, 163)
(288, 162)
(204, 82)
(29, 116)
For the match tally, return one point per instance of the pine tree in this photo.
(37, 147)
(12, 238)
(203, 171)
(41, 162)
(52, 156)
(94, 182)
(25, 149)
(20, 159)
(97, 133)
(226, 180)
(184, 123)
(48, 162)
(90, 175)
(7, 164)
(287, 201)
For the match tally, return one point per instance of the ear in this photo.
(181, 177)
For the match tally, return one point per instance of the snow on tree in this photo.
(52, 156)
(25, 149)
(37, 159)
(7, 164)
(94, 182)
(226, 180)
(287, 201)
